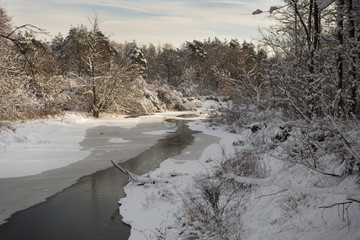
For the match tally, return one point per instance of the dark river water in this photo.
(88, 209)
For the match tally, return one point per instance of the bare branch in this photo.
(29, 27)
(353, 199)
(336, 204)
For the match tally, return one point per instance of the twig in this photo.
(29, 27)
(318, 171)
(336, 204)
(353, 199)
(345, 209)
(272, 194)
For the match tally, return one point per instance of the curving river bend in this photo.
(88, 208)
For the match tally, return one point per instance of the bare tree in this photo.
(15, 96)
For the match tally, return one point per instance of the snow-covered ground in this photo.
(288, 202)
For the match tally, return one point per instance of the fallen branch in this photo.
(318, 171)
(141, 179)
(132, 176)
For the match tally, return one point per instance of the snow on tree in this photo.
(101, 77)
(196, 49)
(137, 60)
(18, 94)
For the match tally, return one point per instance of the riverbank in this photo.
(236, 190)
(150, 209)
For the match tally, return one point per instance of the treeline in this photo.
(87, 71)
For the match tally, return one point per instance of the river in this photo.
(88, 208)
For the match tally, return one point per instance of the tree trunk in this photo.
(317, 27)
(354, 105)
(297, 45)
(340, 59)
(94, 103)
(311, 42)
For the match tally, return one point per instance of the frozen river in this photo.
(88, 208)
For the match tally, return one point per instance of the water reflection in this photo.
(170, 146)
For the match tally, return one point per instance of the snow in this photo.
(290, 202)
(41, 145)
(161, 132)
(118, 140)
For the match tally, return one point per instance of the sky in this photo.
(145, 21)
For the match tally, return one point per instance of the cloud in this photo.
(119, 7)
(146, 21)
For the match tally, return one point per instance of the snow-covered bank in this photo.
(286, 201)
(41, 145)
(151, 209)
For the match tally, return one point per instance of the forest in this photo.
(307, 63)
(298, 87)
(86, 71)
